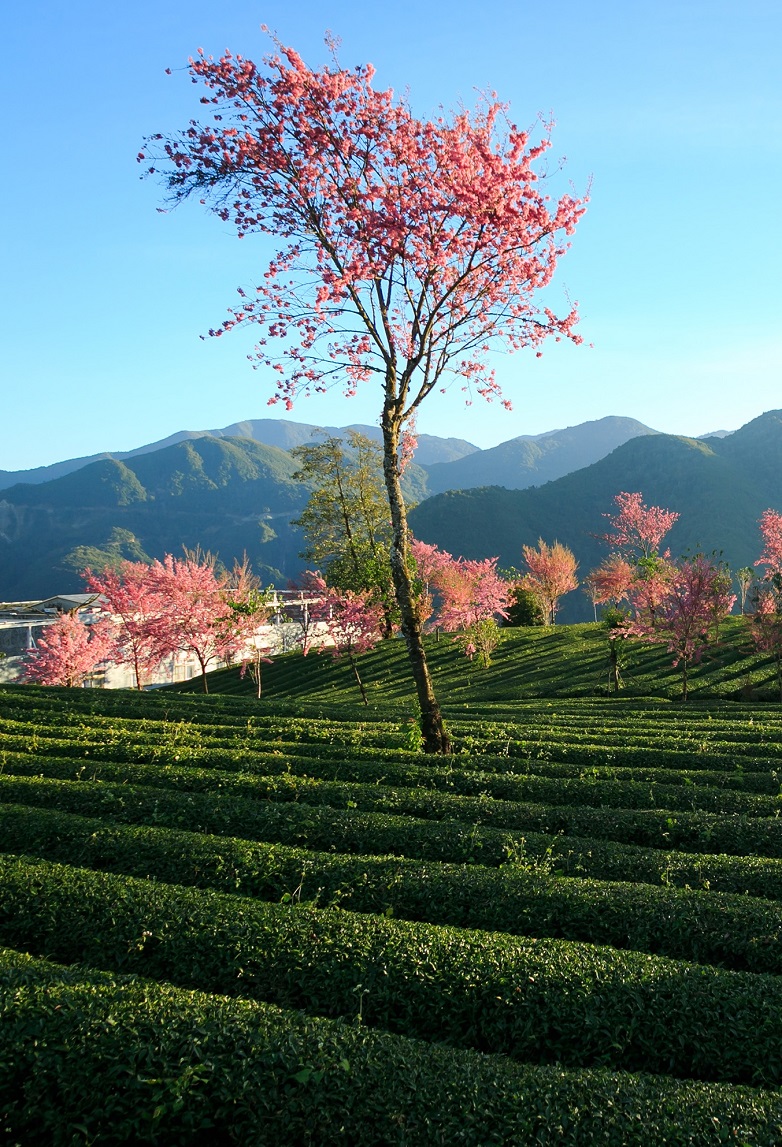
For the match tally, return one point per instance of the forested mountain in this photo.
(533, 459)
(226, 495)
(235, 494)
(719, 486)
(450, 463)
(268, 431)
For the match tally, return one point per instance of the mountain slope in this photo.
(276, 432)
(719, 487)
(227, 495)
(531, 460)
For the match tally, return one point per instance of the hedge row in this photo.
(664, 785)
(402, 832)
(127, 1060)
(542, 1001)
(736, 932)
(488, 807)
(379, 834)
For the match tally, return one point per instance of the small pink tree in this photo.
(767, 619)
(248, 608)
(767, 630)
(696, 596)
(195, 618)
(610, 583)
(134, 604)
(552, 573)
(353, 621)
(472, 595)
(69, 651)
(637, 530)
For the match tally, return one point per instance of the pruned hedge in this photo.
(735, 835)
(541, 1001)
(737, 932)
(119, 1060)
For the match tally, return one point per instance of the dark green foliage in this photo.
(541, 1001)
(531, 898)
(524, 609)
(149, 1063)
(520, 898)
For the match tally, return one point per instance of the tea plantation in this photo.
(233, 921)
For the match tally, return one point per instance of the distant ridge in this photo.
(231, 494)
(719, 486)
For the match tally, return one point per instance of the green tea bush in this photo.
(540, 1001)
(116, 1060)
(520, 898)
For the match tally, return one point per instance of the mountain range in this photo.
(231, 493)
(719, 486)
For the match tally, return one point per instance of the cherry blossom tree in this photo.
(68, 651)
(637, 530)
(408, 248)
(551, 574)
(610, 583)
(134, 604)
(771, 529)
(472, 595)
(248, 607)
(353, 620)
(696, 597)
(767, 619)
(767, 630)
(196, 618)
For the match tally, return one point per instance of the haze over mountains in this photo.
(230, 493)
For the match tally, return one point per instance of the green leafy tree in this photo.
(346, 520)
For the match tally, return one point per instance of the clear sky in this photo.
(672, 108)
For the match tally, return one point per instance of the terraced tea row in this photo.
(603, 901)
(187, 1067)
(738, 932)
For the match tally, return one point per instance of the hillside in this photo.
(225, 921)
(534, 459)
(720, 487)
(278, 432)
(226, 495)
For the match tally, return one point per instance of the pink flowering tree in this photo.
(637, 530)
(195, 619)
(408, 248)
(551, 573)
(696, 598)
(610, 583)
(134, 603)
(473, 595)
(767, 619)
(68, 651)
(247, 610)
(767, 630)
(352, 621)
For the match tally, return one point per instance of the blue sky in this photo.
(672, 109)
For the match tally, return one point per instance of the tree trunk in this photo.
(436, 739)
(359, 682)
